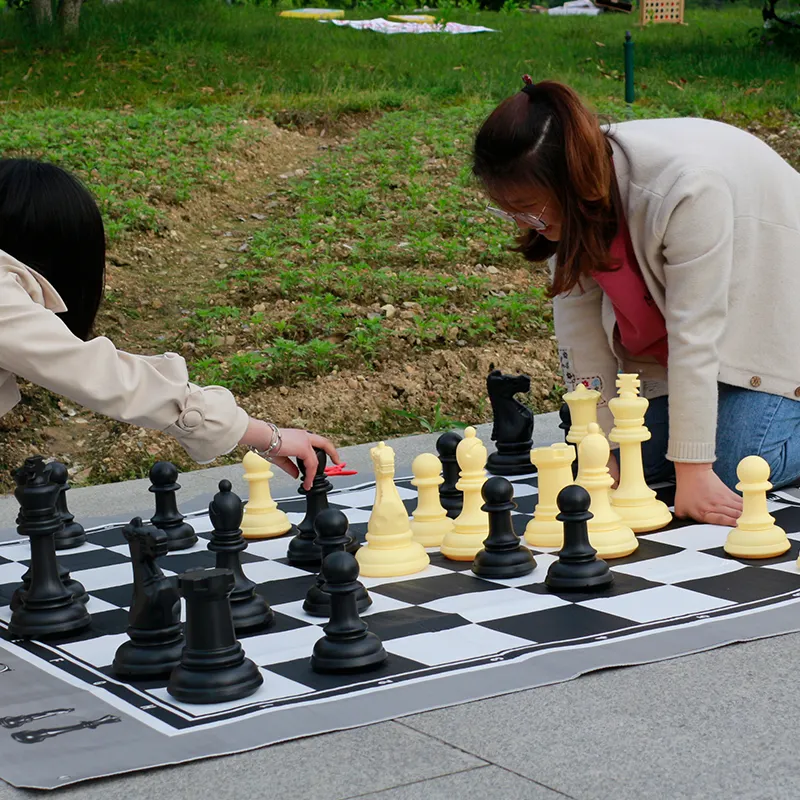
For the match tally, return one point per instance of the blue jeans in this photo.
(748, 423)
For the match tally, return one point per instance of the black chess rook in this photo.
(303, 550)
(331, 528)
(578, 568)
(167, 517)
(348, 645)
(512, 431)
(451, 498)
(47, 608)
(503, 554)
(73, 534)
(249, 609)
(154, 631)
(213, 666)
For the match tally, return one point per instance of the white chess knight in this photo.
(262, 518)
(430, 522)
(390, 549)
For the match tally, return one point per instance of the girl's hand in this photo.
(703, 497)
(295, 443)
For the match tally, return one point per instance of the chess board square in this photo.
(274, 687)
(263, 571)
(660, 602)
(365, 498)
(410, 620)
(12, 572)
(439, 560)
(535, 578)
(690, 537)
(5, 612)
(107, 538)
(456, 644)
(287, 590)
(783, 566)
(429, 572)
(527, 478)
(274, 647)
(426, 590)
(269, 548)
(182, 560)
(623, 584)
(104, 577)
(201, 524)
(502, 603)
(120, 596)
(790, 555)
(292, 505)
(98, 651)
(96, 557)
(787, 517)
(646, 551)
(18, 551)
(357, 516)
(681, 566)
(563, 623)
(300, 672)
(379, 604)
(103, 623)
(746, 584)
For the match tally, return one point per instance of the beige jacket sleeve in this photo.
(583, 348)
(149, 391)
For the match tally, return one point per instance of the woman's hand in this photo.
(703, 497)
(295, 443)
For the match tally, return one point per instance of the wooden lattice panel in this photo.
(661, 11)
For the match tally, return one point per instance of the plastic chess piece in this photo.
(348, 645)
(213, 666)
(608, 534)
(565, 424)
(578, 568)
(430, 522)
(73, 534)
(248, 608)
(390, 549)
(512, 429)
(303, 550)
(634, 500)
(471, 526)
(582, 403)
(164, 485)
(262, 517)
(554, 465)
(47, 607)
(331, 528)
(451, 497)
(503, 555)
(756, 535)
(154, 630)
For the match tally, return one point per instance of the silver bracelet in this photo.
(274, 445)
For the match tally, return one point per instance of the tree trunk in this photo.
(69, 13)
(42, 11)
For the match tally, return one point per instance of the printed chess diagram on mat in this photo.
(442, 621)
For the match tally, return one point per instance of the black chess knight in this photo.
(513, 425)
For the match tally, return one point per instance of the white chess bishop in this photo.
(390, 549)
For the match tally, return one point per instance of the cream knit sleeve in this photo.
(695, 225)
(148, 391)
(583, 347)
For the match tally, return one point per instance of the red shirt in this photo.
(641, 325)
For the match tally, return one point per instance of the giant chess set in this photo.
(255, 621)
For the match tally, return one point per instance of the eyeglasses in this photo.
(531, 220)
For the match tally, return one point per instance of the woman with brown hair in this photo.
(674, 252)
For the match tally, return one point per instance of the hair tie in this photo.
(529, 86)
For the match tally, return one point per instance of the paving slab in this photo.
(330, 767)
(719, 724)
(474, 784)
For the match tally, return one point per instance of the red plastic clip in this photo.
(339, 469)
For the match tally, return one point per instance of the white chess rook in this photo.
(554, 468)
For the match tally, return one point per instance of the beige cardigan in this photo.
(714, 216)
(148, 391)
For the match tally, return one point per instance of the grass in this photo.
(199, 53)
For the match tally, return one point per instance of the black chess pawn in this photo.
(213, 666)
(73, 534)
(249, 609)
(578, 568)
(565, 415)
(75, 587)
(164, 485)
(331, 528)
(512, 430)
(348, 645)
(155, 636)
(303, 550)
(452, 499)
(503, 555)
(47, 607)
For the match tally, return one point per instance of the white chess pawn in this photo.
(390, 549)
(756, 535)
(554, 470)
(430, 522)
(471, 526)
(633, 499)
(262, 518)
(608, 534)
